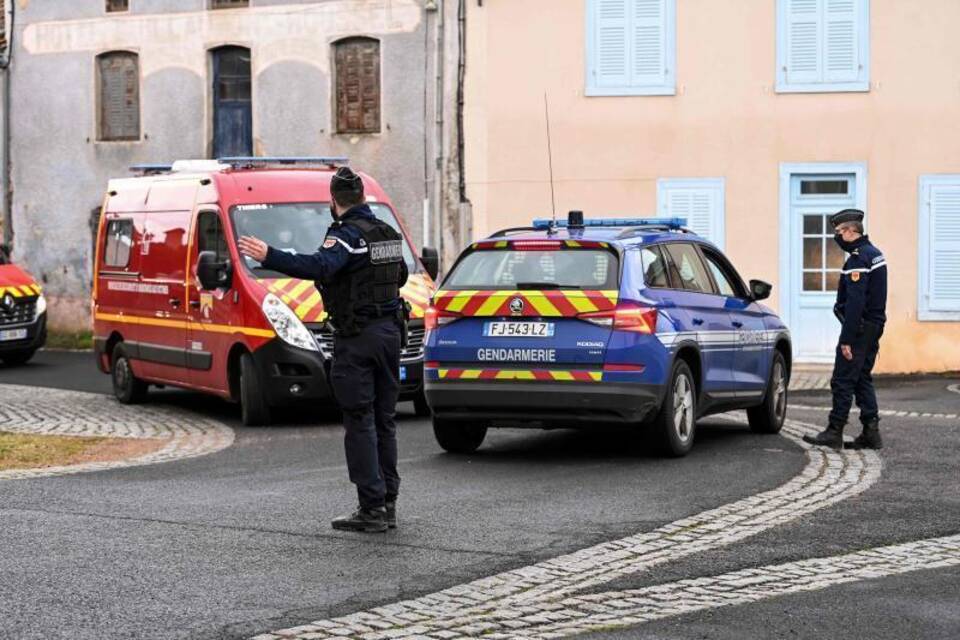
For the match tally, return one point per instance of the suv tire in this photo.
(16, 358)
(458, 437)
(127, 388)
(254, 410)
(675, 425)
(769, 416)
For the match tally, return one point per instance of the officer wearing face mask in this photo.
(358, 270)
(861, 309)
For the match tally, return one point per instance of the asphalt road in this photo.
(238, 543)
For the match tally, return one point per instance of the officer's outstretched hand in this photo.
(253, 247)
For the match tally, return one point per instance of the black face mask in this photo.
(846, 246)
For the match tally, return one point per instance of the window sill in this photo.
(824, 87)
(938, 316)
(663, 90)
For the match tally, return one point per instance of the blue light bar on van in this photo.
(671, 223)
(242, 161)
(151, 169)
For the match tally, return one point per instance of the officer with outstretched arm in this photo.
(358, 270)
(861, 309)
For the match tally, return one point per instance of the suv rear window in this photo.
(560, 269)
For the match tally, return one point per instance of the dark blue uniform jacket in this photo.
(343, 251)
(862, 294)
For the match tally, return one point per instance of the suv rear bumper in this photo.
(536, 404)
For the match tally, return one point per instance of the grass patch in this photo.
(27, 451)
(69, 340)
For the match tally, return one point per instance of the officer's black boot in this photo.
(831, 437)
(363, 520)
(392, 514)
(869, 438)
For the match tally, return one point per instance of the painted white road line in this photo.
(490, 604)
(955, 388)
(889, 413)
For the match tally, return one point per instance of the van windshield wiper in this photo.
(545, 285)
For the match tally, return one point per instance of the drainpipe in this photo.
(438, 134)
(7, 187)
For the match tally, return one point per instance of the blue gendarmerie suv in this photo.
(637, 322)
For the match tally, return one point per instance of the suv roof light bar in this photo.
(252, 161)
(669, 223)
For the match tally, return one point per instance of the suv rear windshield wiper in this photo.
(545, 285)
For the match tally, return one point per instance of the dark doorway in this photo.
(232, 107)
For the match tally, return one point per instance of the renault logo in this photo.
(8, 303)
(516, 306)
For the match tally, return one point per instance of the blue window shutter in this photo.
(803, 41)
(943, 235)
(699, 200)
(841, 46)
(612, 43)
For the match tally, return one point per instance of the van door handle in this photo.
(174, 302)
(698, 321)
(737, 324)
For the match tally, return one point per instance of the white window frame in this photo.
(924, 313)
(668, 88)
(718, 224)
(783, 86)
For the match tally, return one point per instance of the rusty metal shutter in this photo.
(117, 5)
(3, 26)
(358, 85)
(119, 96)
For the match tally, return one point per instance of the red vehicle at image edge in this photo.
(174, 302)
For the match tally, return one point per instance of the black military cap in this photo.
(346, 182)
(847, 215)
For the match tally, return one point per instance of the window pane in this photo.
(835, 255)
(654, 268)
(833, 280)
(813, 281)
(116, 5)
(812, 253)
(687, 268)
(824, 187)
(813, 225)
(119, 238)
(723, 283)
(210, 236)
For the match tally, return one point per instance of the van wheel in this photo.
(770, 416)
(459, 437)
(16, 358)
(127, 388)
(254, 411)
(675, 425)
(420, 406)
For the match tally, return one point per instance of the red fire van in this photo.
(174, 302)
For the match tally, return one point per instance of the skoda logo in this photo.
(516, 306)
(8, 303)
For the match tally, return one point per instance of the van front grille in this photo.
(413, 352)
(22, 312)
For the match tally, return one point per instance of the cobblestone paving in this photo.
(810, 379)
(533, 599)
(71, 413)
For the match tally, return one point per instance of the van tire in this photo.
(674, 427)
(17, 358)
(420, 406)
(769, 416)
(458, 437)
(254, 410)
(127, 388)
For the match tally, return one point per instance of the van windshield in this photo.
(298, 227)
(507, 269)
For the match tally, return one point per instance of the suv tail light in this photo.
(433, 318)
(625, 317)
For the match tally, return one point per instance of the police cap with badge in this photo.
(847, 215)
(346, 184)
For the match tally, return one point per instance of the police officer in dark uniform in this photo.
(358, 270)
(861, 309)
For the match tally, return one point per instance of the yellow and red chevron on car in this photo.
(303, 297)
(550, 303)
(542, 375)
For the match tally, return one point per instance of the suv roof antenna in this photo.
(553, 199)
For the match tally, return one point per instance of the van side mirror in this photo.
(760, 290)
(213, 274)
(431, 261)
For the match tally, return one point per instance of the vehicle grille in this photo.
(411, 353)
(23, 312)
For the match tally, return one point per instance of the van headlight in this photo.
(41, 305)
(286, 323)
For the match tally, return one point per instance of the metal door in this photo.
(816, 261)
(232, 106)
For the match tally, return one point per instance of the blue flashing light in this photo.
(253, 161)
(671, 223)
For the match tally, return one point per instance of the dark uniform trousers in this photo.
(365, 380)
(854, 378)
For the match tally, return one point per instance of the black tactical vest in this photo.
(352, 297)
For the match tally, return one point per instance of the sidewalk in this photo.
(807, 377)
